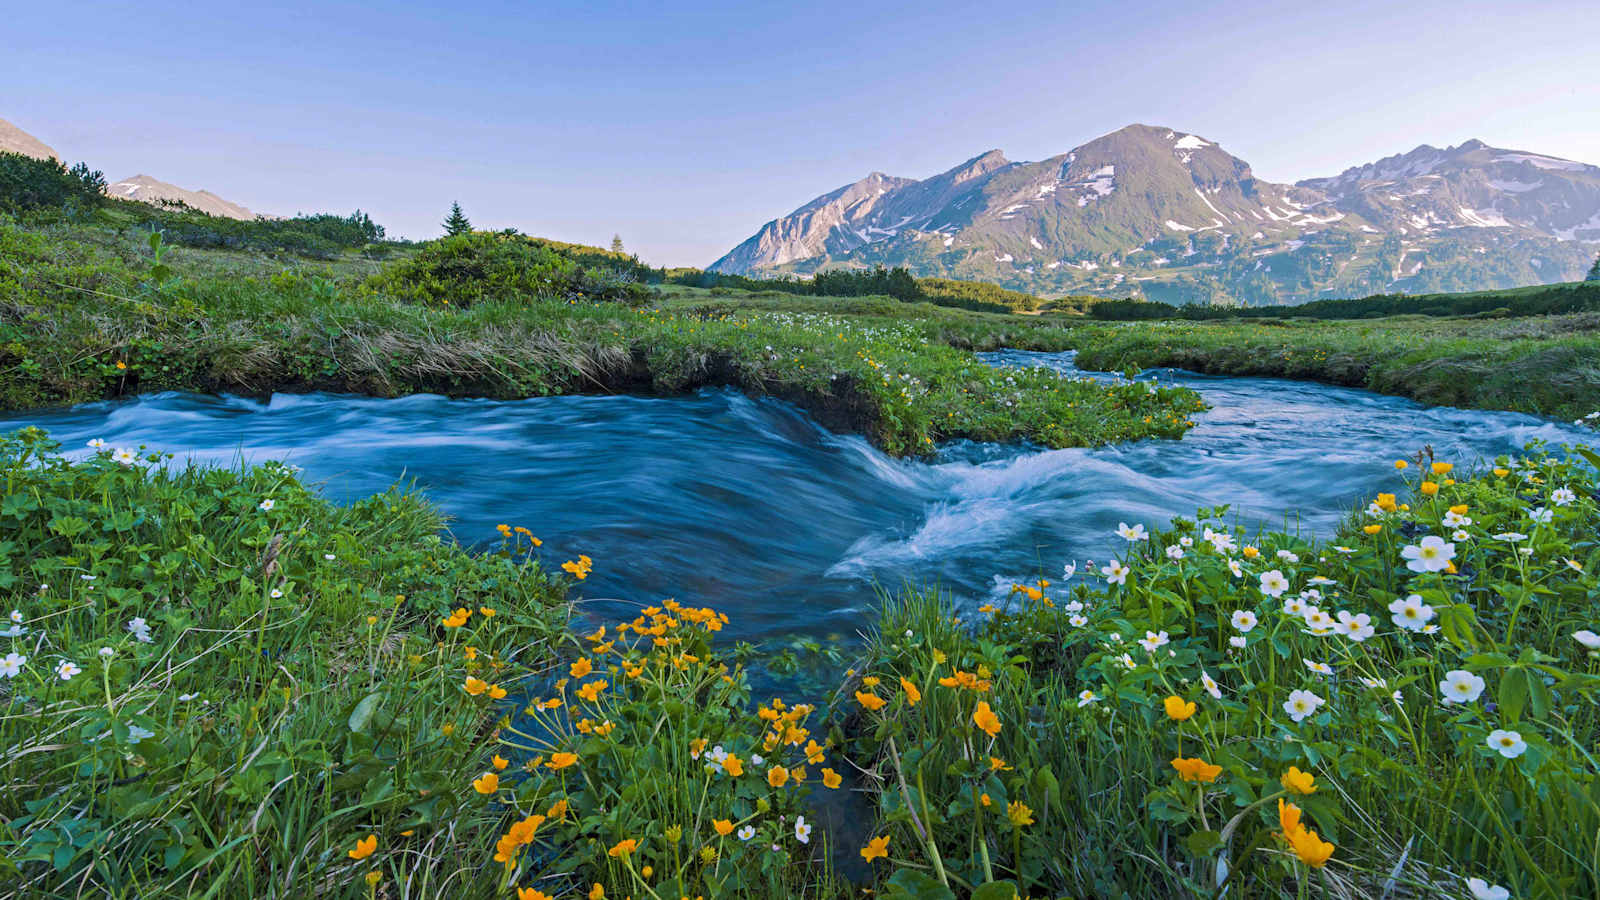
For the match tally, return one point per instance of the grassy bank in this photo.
(87, 311)
(295, 698)
(1548, 365)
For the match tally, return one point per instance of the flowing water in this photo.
(748, 506)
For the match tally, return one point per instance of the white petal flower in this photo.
(1238, 641)
(1460, 686)
(1132, 532)
(1174, 552)
(1512, 536)
(1320, 668)
(1587, 638)
(1210, 684)
(66, 669)
(1356, 627)
(1243, 620)
(1087, 697)
(11, 665)
(747, 832)
(1235, 568)
(1541, 515)
(1562, 496)
(1301, 704)
(1273, 584)
(1507, 743)
(1431, 554)
(802, 831)
(267, 505)
(1288, 556)
(1077, 620)
(1116, 573)
(1483, 890)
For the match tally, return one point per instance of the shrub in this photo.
(28, 184)
(465, 269)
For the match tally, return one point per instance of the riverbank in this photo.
(400, 716)
(88, 313)
(1546, 365)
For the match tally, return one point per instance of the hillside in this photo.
(1154, 212)
(149, 190)
(15, 140)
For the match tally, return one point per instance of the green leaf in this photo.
(362, 714)
(996, 890)
(1201, 843)
(910, 884)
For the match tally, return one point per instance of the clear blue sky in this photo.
(686, 126)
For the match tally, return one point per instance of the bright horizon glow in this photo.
(687, 127)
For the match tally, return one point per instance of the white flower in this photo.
(1301, 704)
(1186, 541)
(1210, 684)
(1320, 581)
(140, 629)
(124, 456)
(185, 698)
(1288, 556)
(1459, 535)
(1411, 613)
(1507, 743)
(267, 505)
(329, 557)
(1074, 606)
(1069, 570)
(757, 759)
(11, 665)
(1357, 627)
(66, 669)
(16, 615)
(747, 832)
(1511, 536)
(107, 652)
(275, 593)
(1294, 606)
(1483, 890)
(1077, 620)
(1587, 638)
(1127, 661)
(1235, 568)
(1455, 520)
(1318, 621)
(137, 734)
(1222, 542)
(1174, 552)
(1311, 595)
(1153, 641)
(1541, 515)
(87, 577)
(1273, 584)
(1087, 697)
(1132, 532)
(1374, 683)
(95, 444)
(1345, 550)
(14, 631)
(1460, 686)
(1116, 573)
(1373, 509)
(1244, 620)
(1431, 555)
(1562, 496)
(802, 831)
(1318, 667)
(1238, 640)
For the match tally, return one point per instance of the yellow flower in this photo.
(1400, 464)
(364, 847)
(1372, 529)
(374, 877)
(532, 894)
(831, 779)
(777, 776)
(1288, 817)
(561, 760)
(939, 657)
(121, 364)
(996, 764)
(476, 686)
(487, 611)
(623, 848)
(870, 681)
(1019, 814)
(1196, 769)
(1178, 708)
(1428, 487)
(1299, 782)
(1501, 473)
(597, 892)
(877, 848)
(984, 718)
(1386, 502)
(581, 668)
(488, 784)
(1459, 509)
(1441, 468)
(984, 799)
(912, 694)
(1251, 553)
(499, 762)
(813, 752)
(733, 765)
(1312, 850)
(447, 729)
(723, 826)
(557, 810)
(591, 691)
(497, 692)
(869, 700)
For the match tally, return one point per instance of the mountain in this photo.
(148, 190)
(15, 140)
(1172, 216)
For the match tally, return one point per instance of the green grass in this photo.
(1548, 365)
(89, 312)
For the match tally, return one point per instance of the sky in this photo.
(683, 127)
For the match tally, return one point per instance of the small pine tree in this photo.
(1594, 271)
(616, 244)
(457, 222)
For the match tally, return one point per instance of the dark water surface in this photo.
(748, 506)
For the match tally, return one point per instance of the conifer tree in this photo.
(457, 222)
(1594, 271)
(616, 243)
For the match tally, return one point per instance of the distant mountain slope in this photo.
(149, 190)
(15, 140)
(1172, 216)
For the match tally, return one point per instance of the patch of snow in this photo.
(1178, 227)
(1294, 245)
(1514, 187)
(1190, 142)
(1035, 242)
(1571, 234)
(1046, 189)
(1054, 265)
(1542, 162)
(949, 240)
(1484, 218)
(1257, 236)
(1370, 230)
(1006, 257)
